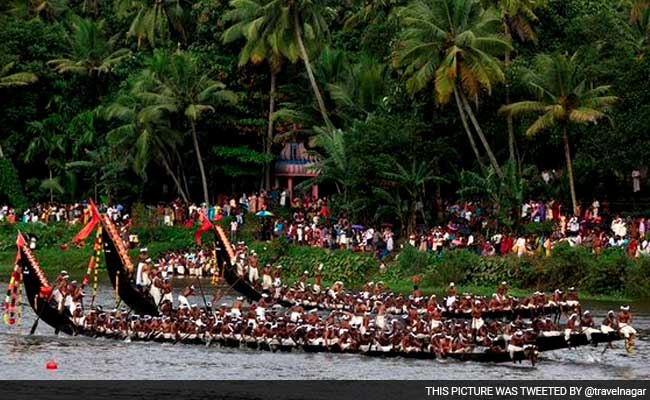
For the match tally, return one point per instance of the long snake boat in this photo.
(39, 292)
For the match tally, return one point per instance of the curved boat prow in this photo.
(226, 258)
(39, 291)
(120, 270)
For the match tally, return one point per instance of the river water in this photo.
(24, 357)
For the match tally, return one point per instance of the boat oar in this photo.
(38, 316)
(181, 338)
(205, 303)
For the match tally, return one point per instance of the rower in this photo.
(182, 299)
(477, 317)
(302, 283)
(73, 292)
(452, 292)
(417, 293)
(610, 323)
(516, 343)
(556, 300)
(502, 292)
(318, 280)
(237, 306)
(572, 300)
(267, 281)
(60, 289)
(572, 326)
(587, 324)
(495, 304)
(277, 282)
(625, 323)
(167, 291)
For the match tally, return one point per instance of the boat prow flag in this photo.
(206, 226)
(20, 240)
(87, 230)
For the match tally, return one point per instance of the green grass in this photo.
(406, 286)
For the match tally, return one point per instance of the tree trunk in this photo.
(177, 182)
(411, 223)
(463, 118)
(51, 193)
(310, 74)
(569, 167)
(479, 132)
(2, 154)
(269, 131)
(511, 129)
(440, 213)
(182, 175)
(199, 159)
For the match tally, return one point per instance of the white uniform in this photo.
(267, 282)
(253, 275)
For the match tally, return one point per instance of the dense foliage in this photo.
(153, 100)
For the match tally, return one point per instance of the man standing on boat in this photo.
(142, 259)
(318, 280)
(477, 317)
(502, 292)
(452, 292)
(267, 281)
(277, 282)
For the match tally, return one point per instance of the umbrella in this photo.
(357, 227)
(264, 213)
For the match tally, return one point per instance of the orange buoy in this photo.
(52, 365)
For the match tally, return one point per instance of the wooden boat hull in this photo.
(230, 275)
(119, 276)
(550, 343)
(35, 280)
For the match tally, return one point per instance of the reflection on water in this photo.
(24, 357)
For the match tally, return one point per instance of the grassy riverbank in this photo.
(611, 276)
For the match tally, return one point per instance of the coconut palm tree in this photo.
(412, 179)
(454, 43)
(637, 8)
(370, 11)
(640, 34)
(152, 18)
(49, 142)
(175, 83)
(251, 23)
(46, 9)
(293, 26)
(144, 136)
(563, 98)
(90, 52)
(518, 19)
(9, 80)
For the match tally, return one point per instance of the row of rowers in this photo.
(310, 293)
(348, 331)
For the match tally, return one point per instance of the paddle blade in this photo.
(31, 331)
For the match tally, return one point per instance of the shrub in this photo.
(608, 272)
(411, 261)
(638, 278)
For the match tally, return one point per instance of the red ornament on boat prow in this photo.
(52, 365)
